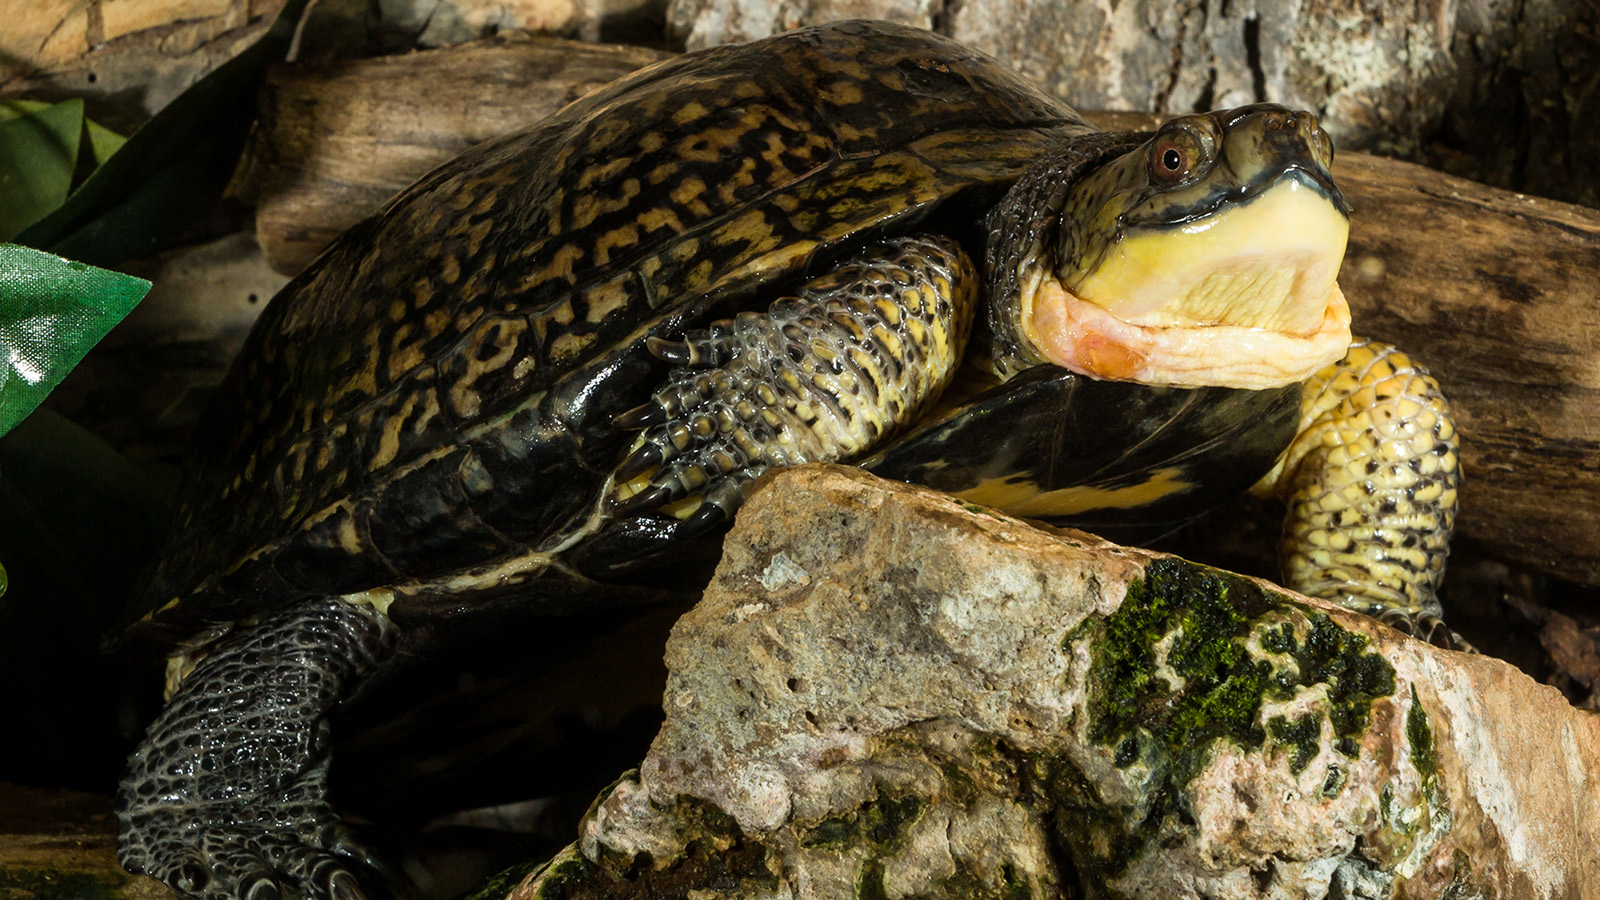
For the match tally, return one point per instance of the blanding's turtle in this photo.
(552, 364)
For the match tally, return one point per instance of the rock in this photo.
(887, 693)
(1378, 72)
(60, 844)
(698, 24)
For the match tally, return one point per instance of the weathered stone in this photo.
(706, 23)
(887, 693)
(1379, 73)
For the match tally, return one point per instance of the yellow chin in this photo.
(1244, 298)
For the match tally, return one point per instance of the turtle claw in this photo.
(699, 349)
(646, 501)
(1424, 627)
(641, 417)
(645, 457)
(244, 863)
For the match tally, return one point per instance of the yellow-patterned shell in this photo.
(433, 397)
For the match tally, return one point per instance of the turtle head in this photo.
(1206, 256)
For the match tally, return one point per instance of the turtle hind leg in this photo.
(1370, 481)
(226, 798)
(825, 375)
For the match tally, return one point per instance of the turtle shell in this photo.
(428, 406)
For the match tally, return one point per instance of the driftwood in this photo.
(337, 139)
(1493, 290)
(1497, 293)
(126, 59)
(57, 844)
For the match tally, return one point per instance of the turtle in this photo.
(540, 381)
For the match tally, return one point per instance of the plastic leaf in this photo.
(168, 175)
(38, 154)
(51, 312)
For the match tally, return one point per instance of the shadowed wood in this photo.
(1494, 291)
(337, 139)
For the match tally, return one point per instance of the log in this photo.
(336, 139)
(1496, 293)
(127, 60)
(1494, 290)
(885, 692)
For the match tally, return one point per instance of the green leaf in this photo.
(102, 141)
(167, 178)
(51, 312)
(92, 153)
(38, 154)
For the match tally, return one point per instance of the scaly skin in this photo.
(226, 796)
(1371, 482)
(827, 375)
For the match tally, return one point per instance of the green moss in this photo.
(881, 821)
(1303, 735)
(869, 882)
(1209, 617)
(1461, 886)
(497, 886)
(1333, 782)
(717, 857)
(1420, 735)
(1354, 677)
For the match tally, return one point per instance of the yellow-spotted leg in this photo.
(825, 375)
(1371, 481)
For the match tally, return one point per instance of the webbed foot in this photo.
(226, 798)
(295, 852)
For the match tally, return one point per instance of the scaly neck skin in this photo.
(1023, 232)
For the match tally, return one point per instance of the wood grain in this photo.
(126, 59)
(337, 139)
(1497, 292)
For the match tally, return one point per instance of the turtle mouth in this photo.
(1243, 296)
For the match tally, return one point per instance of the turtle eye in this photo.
(1174, 156)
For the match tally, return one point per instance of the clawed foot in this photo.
(202, 857)
(706, 435)
(207, 860)
(1424, 627)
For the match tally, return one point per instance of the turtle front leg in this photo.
(825, 375)
(226, 797)
(1370, 481)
